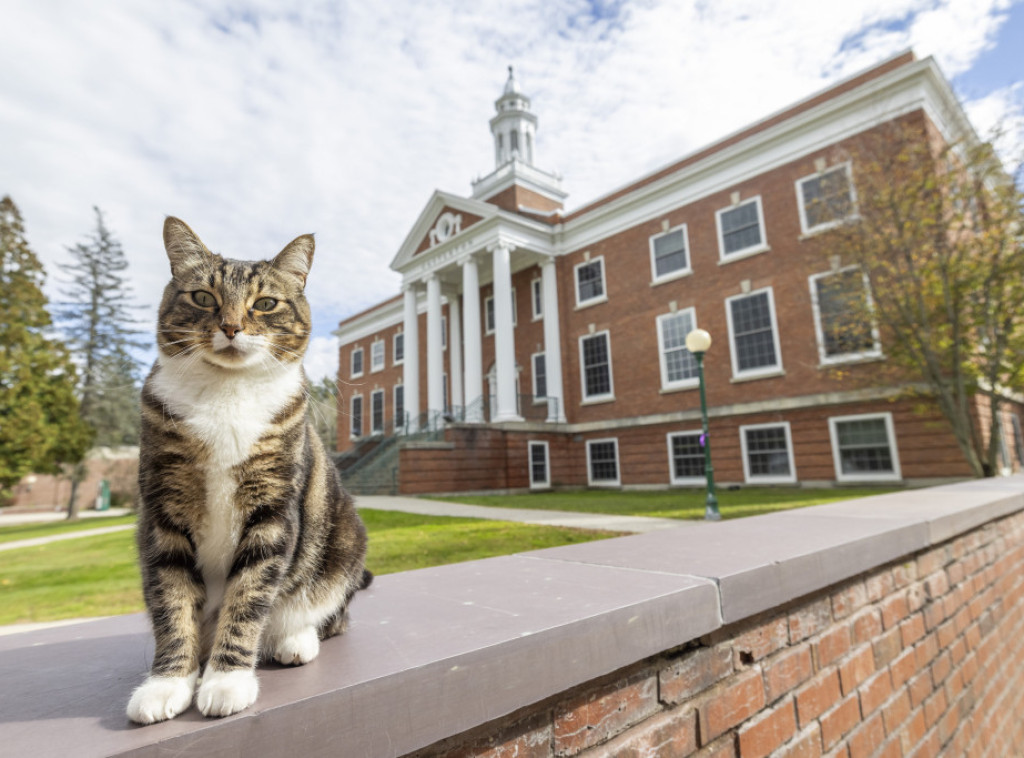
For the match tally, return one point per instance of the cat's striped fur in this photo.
(248, 545)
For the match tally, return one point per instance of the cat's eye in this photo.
(264, 304)
(203, 299)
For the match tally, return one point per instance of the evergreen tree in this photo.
(97, 318)
(40, 426)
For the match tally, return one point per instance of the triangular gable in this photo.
(445, 217)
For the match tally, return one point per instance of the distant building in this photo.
(547, 347)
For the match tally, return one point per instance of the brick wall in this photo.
(922, 657)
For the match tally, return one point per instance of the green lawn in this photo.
(681, 504)
(98, 576)
(47, 529)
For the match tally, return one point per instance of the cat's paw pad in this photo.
(225, 692)
(161, 697)
(298, 648)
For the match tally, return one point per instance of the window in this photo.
(825, 199)
(753, 333)
(1018, 438)
(398, 349)
(603, 462)
(864, 448)
(356, 416)
(741, 230)
(377, 412)
(841, 309)
(686, 458)
(377, 356)
(596, 360)
(399, 405)
(537, 294)
(767, 453)
(444, 332)
(590, 282)
(678, 366)
(489, 312)
(539, 465)
(357, 362)
(540, 377)
(670, 254)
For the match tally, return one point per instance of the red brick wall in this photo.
(923, 657)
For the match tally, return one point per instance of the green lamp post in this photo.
(697, 342)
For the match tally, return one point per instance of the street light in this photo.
(697, 342)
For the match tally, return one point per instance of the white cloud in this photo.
(321, 359)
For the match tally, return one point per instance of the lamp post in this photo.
(697, 342)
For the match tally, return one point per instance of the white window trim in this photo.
(352, 361)
(608, 396)
(603, 297)
(684, 480)
(383, 412)
(895, 475)
(761, 479)
(746, 252)
(395, 361)
(537, 299)
(806, 230)
(547, 464)
(537, 399)
(374, 365)
(618, 467)
(873, 354)
(764, 371)
(686, 271)
(444, 332)
(515, 313)
(679, 384)
(351, 416)
(399, 423)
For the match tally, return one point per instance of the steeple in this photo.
(514, 126)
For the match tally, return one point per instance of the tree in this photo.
(323, 411)
(97, 318)
(938, 229)
(40, 426)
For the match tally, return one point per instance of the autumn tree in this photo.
(40, 426)
(936, 231)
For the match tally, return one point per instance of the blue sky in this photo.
(257, 121)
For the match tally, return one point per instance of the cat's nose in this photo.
(230, 330)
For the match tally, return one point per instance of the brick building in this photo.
(545, 347)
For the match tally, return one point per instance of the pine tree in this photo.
(96, 317)
(40, 426)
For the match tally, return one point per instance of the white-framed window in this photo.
(537, 299)
(489, 312)
(444, 391)
(398, 404)
(753, 334)
(356, 365)
(377, 355)
(842, 306)
(767, 453)
(590, 282)
(444, 332)
(377, 412)
(540, 378)
(678, 366)
(741, 230)
(864, 447)
(540, 464)
(603, 462)
(398, 349)
(826, 198)
(686, 457)
(596, 367)
(356, 416)
(670, 254)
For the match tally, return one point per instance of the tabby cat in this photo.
(248, 545)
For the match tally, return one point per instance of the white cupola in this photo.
(514, 126)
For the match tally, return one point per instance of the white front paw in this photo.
(161, 697)
(298, 648)
(225, 692)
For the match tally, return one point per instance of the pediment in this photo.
(444, 218)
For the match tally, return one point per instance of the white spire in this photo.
(514, 126)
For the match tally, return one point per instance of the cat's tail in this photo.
(367, 579)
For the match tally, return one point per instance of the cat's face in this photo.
(234, 314)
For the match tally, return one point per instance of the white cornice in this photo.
(523, 174)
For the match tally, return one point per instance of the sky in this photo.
(256, 121)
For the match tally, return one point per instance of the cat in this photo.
(249, 547)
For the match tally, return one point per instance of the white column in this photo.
(435, 354)
(504, 337)
(455, 349)
(473, 363)
(552, 342)
(411, 366)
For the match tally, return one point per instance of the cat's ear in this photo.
(296, 258)
(184, 248)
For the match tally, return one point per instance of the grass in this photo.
(98, 575)
(50, 528)
(680, 504)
